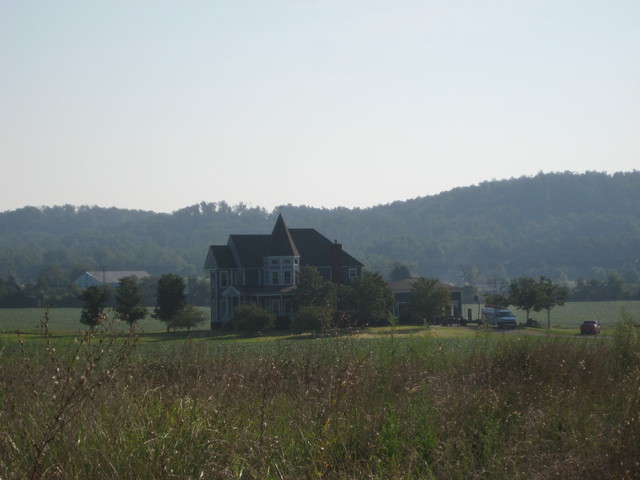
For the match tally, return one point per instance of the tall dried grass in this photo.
(340, 408)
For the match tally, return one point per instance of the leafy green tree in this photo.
(312, 318)
(368, 300)
(399, 272)
(95, 301)
(170, 297)
(252, 318)
(429, 299)
(313, 290)
(615, 286)
(524, 294)
(497, 299)
(189, 316)
(551, 295)
(128, 301)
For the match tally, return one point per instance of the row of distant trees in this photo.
(530, 295)
(55, 286)
(320, 305)
(171, 306)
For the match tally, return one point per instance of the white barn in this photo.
(106, 277)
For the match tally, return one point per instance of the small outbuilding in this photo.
(106, 277)
(402, 289)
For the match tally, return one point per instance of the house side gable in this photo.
(316, 250)
(219, 256)
(248, 250)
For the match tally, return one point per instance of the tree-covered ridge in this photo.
(561, 225)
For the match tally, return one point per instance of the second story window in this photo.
(224, 278)
(287, 277)
(275, 278)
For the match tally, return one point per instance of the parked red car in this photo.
(589, 327)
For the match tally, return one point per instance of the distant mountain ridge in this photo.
(563, 225)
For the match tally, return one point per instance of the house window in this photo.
(275, 261)
(224, 278)
(287, 277)
(353, 273)
(275, 278)
(240, 277)
(287, 261)
(287, 306)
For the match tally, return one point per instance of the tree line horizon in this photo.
(565, 226)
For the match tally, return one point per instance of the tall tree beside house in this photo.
(313, 290)
(367, 301)
(428, 299)
(95, 301)
(128, 301)
(170, 297)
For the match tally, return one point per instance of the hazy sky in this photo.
(158, 105)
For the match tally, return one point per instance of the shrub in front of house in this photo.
(252, 318)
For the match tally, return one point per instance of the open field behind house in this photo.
(572, 314)
(478, 407)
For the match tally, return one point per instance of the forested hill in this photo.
(562, 225)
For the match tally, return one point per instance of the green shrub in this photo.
(311, 318)
(252, 318)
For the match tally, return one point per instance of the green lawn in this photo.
(564, 320)
(572, 314)
(62, 319)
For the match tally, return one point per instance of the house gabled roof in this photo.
(316, 249)
(248, 251)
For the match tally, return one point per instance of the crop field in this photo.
(387, 404)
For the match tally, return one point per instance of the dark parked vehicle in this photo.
(589, 327)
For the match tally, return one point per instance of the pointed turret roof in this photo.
(282, 245)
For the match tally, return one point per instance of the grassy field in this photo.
(61, 319)
(398, 403)
(572, 314)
